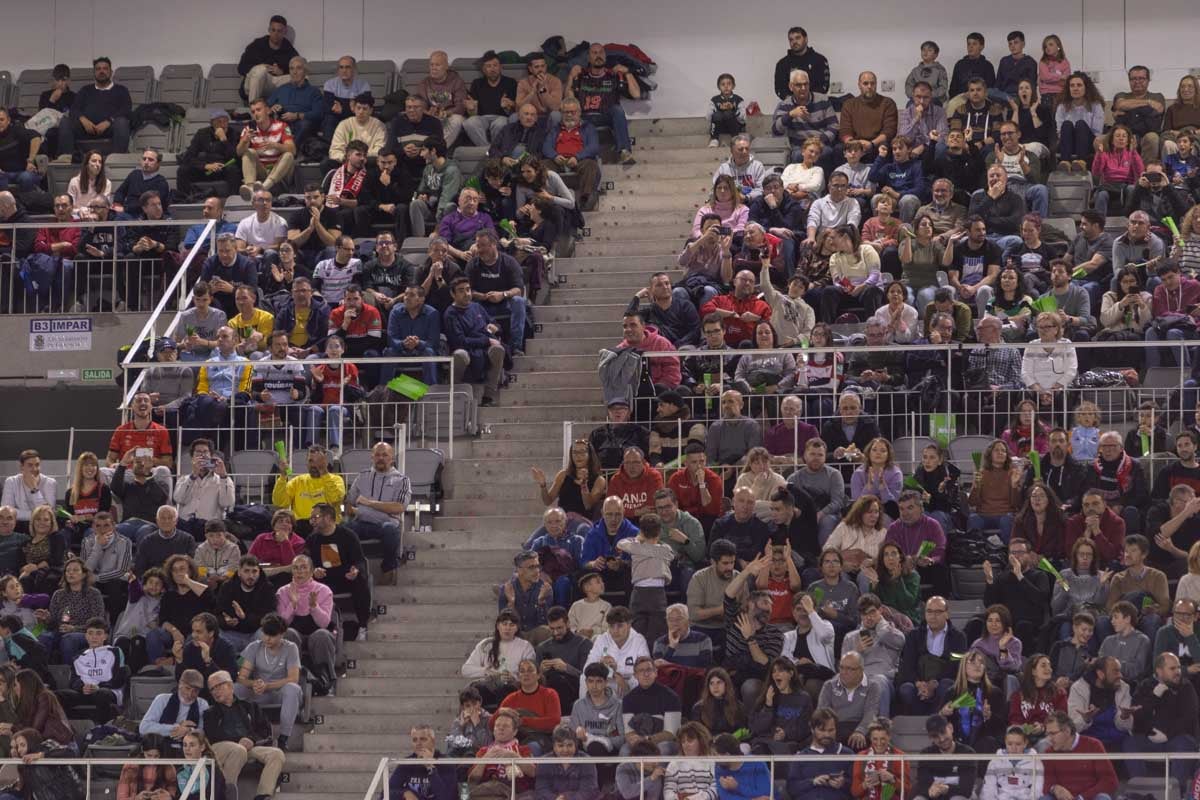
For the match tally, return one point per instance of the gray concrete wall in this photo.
(19, 363)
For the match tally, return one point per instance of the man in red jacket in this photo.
(742, 310)
(59, 241)
(635, 483)
(1099, 524)
(1090, 779)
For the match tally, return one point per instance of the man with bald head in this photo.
(446, 94)
(869, 116)
(526, 134)
(1166, 718)
(338, 92)
(852, 699)
(11, 213)
(376, 503)
(742, 527)
(927, 664)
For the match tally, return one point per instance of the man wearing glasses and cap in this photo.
(211, 157)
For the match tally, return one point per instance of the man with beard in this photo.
(824, 485)
(1099, 703)
(101, 109)
(406, 134)
(751, 641)
(635, 483)
(599, 89)
(562, 658)
(347, 190)
(821, 779)
(1060, 472)
(801, 56)
(386, 186)
(1166, 719)
(302, 493)
(706, 594)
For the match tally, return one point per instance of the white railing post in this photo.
(567, 437)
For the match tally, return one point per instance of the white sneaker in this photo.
(362, 635)
(714, 142)
(246, 192)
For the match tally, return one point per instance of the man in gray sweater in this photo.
(824, 484)
(879, 643)
(1128, 645)
(732, 436)
(1074, 304)
(853, 699)
(596, 717)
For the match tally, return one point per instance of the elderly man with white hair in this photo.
(854, 700)
(682, 644)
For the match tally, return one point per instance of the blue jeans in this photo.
(514, 307)
(68, 645)
(1181, 769)
(388, 535)
(428, 370)
(826, 527)
(1154, 355)
(615, 119)
(1095, 291)
(25, 181)
(981, 522)
(1037, 198)
(1004, 242)
(943, 519)
(135, 530)
(706, 294)
(333, 418)
(158, 644)
(238, 639)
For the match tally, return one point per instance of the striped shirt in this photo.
(737, 652)
(690, 778)
(693, 650)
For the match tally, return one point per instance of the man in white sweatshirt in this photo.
(618, 649)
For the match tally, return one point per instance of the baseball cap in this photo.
(620, 401)
(166, 343)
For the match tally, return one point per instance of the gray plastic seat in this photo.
(139, 81)
(321, 71)
(30, 85)
(6, 87)
(381, 74)
(160, 138)
(180, 84)
(413, 71)
(222, 88)
(1068, 194)
(1064, 224)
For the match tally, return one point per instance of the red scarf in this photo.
(1124, 471)
(343, 182)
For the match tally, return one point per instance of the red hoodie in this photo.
(737, 330)
(663, 371)
(636, 493)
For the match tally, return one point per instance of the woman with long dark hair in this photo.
(895, 581)
(996, 491)
(779, 722)
(1026, 432)
(38, 708)
(90, 184)
(1038, 697)
(1042, 522)
(39, 778)
(492, 665)
(854, 270)
(1079, 117)
(579, 487)
(719, 708)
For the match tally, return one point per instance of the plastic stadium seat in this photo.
(248, 469)
(908, 733)
(6, 88)
(413, 71)
(1068, 194)
(467, 69)
(961, 449)
(180, 84)
(139, 81)
(1064, 224)
(769, 144)
(30, 85)
(161, 139)
(415, 245)
(470, 159)
(142, 691)
(381, 74)
(1116, 225)
(968, 583)
(908, 448)
(222, 89)
(354, 462)
(321, 71)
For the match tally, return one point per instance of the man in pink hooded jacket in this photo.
(307, 608)
(664, 372)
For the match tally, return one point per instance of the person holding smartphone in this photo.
(205, 494)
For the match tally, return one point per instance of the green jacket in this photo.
(695, 550)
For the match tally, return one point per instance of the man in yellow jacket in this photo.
(301, 492)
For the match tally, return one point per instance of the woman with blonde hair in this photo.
(86, 496)
(1185, 111)
(726, 202)
(44, 553)
(1189, 584)
(760, 479)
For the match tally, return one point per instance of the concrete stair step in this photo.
(678, 203)
(495, 546)
(647, 128)
(660, 222)
(589, 314)
(468, 500)
(592, 246)
(427, 577)
(677, 186)
(571, 266)
(365, 781)
(648, 169)
(509, 431)
(661, 140)
(428, 628)
(511, 448)
(432, 706)
(593, 413)
(356, 743)
(501, 524)
(543, 346)
(359, 723)
(474, 595)
(564, 362)
(407, 669)
(536, 396)
(630, 280)
(342, 763)
(567, 295)
(578, 329)
(381, 688)
(326, 784)
(649, 155)
(557, 380)
(432, 651)
(475, 471)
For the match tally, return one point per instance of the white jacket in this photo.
(1011, 778)
(511, 654)
(625, 656)
(1080, 697)
(820, 641)
(207, 497)
(1048, 364)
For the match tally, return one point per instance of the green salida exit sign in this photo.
(96, 375)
